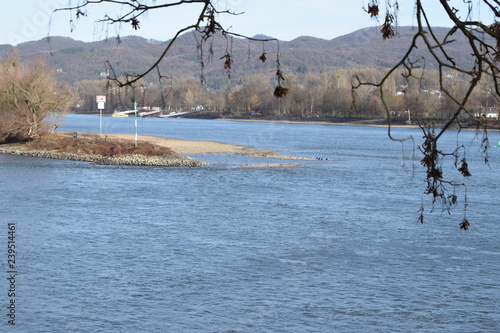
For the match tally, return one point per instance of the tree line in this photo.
(328, 94)
(30, 93)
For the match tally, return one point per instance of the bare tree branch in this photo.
(484, 44)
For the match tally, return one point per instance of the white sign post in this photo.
(101, 101)
(135, 116)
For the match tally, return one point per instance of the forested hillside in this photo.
(86, 61)
(318, 73)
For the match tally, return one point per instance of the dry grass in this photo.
(92, 144)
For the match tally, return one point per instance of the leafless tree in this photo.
(28, 95)
(205, 25)
(483, 40)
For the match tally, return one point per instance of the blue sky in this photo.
(282, 19)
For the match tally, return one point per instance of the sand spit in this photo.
(183, 147)
(192, 147)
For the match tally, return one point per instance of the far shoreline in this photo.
(380, 123)
(337, 121)
(317, 122)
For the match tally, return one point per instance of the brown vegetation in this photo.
(93, 144)
(29, 94)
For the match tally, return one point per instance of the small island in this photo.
(119, 149)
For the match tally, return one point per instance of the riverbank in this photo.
(369, 122)
(493, 125)
(119, 149)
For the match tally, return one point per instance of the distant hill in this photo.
(76, 60)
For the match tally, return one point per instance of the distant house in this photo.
(492, 115)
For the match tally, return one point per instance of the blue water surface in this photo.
(332, 246)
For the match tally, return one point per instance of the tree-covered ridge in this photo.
(359, 50)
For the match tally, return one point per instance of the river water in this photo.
(333, 246)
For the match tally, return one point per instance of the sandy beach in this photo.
(191, 147)
(183, 146)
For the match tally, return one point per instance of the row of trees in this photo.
(29, 96)
(30, 93)
(310, 95)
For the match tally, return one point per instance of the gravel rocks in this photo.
(140, 160)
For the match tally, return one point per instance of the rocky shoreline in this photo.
(134, 159)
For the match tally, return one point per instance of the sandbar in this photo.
(192, 147)
(179, 146)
